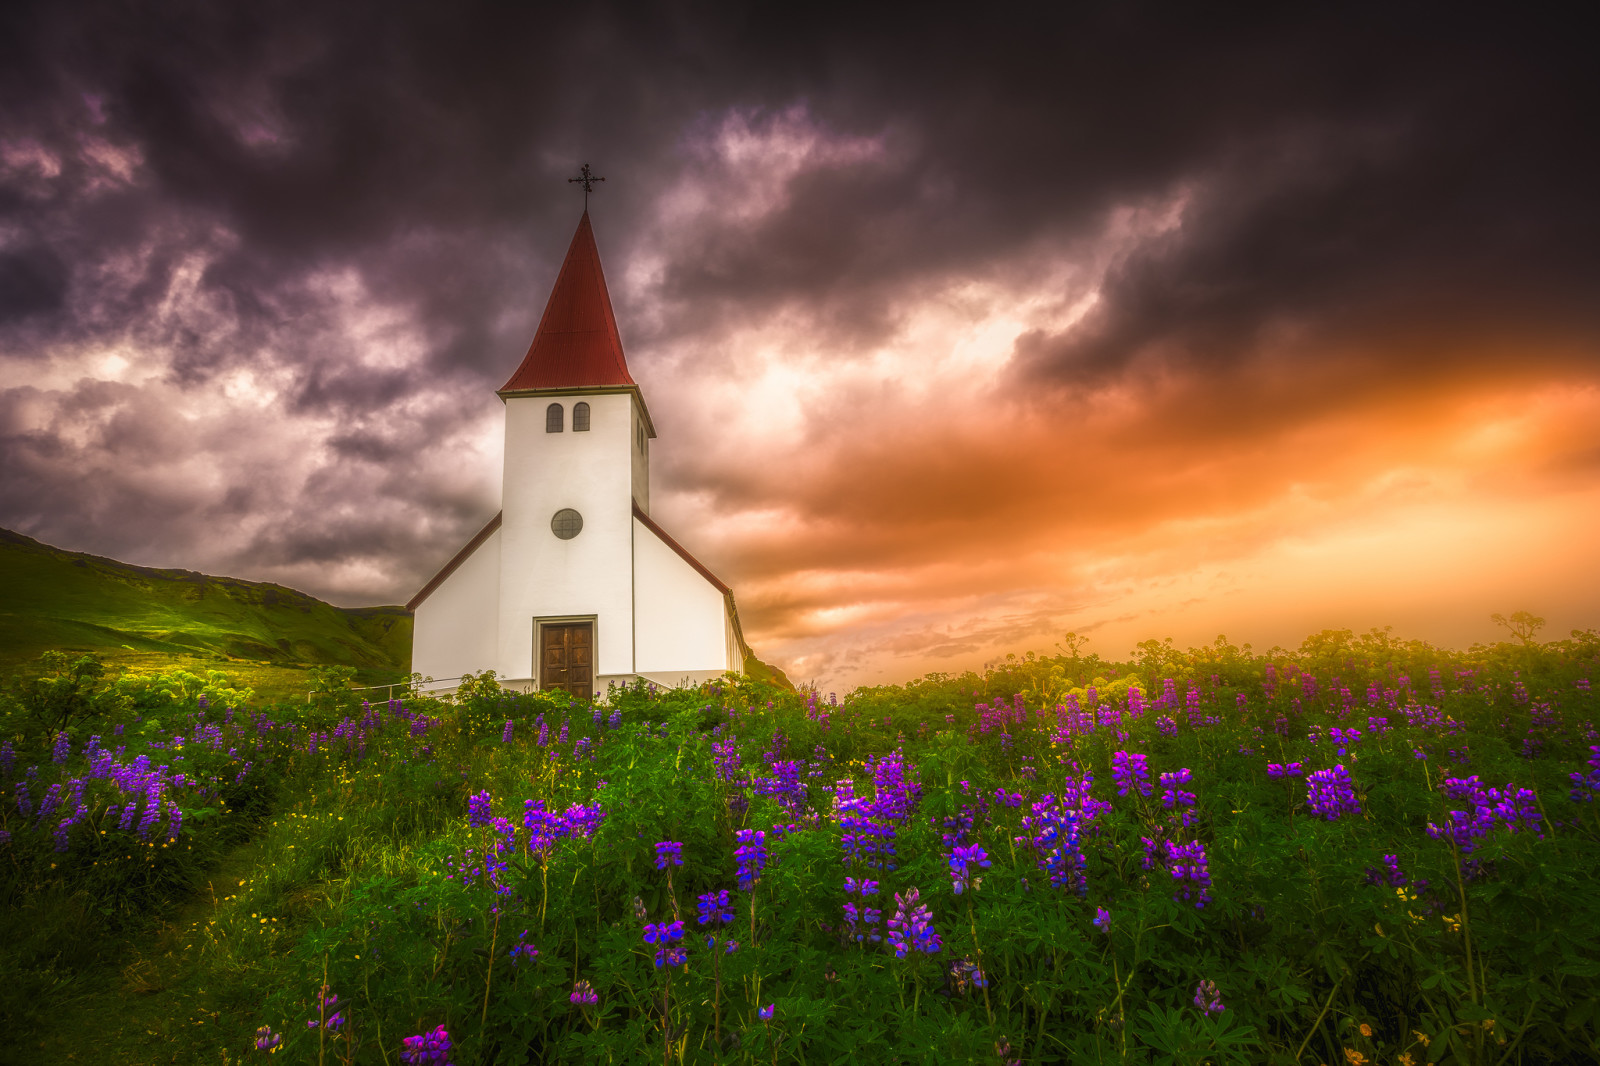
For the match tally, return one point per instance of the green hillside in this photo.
(139, 617)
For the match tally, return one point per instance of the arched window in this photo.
(580, 418)
(552, 418)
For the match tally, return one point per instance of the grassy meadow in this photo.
(1365, 850)
(141, 620)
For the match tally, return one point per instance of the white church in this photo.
(573, 585)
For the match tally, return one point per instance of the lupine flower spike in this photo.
(1208, 999)
(427, 1049)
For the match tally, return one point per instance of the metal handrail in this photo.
(398, 684)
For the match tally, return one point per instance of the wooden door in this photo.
(566, 658)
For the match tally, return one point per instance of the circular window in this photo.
(567, 523)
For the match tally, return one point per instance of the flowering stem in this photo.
(1466, 928)
(488, 977)
(1316, 1024)
(977, 949)
(544, 889)
(666, 1024)
(716, 995)
(322, 1011)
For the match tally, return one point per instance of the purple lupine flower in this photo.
(911, 927)
(663, 932)
(583, 819)
(1130, 770)
(1391, 874)
(615, 721)
(716, 908)
(962, 860)
(751, 855)
(583, 994)
(8, 758)
(1175, 796)
(1056, 829)
(544, 827)
(522, 949)
(863, 887)
(427, 1049)
(897, 790)
(1586, 785)
(1208, 999)
(62, 749)
(667, 935)
(479, 812)
(174, 822)
(266, 1039)
(964, 971)
(1331, 793)
(51, 800)
(860, 923)
(24, 799)
(1188, 863)
(1344, 739)
(505, 734)
(1279, 770)
(1102, 918)
(669, 853)
(766, 1013)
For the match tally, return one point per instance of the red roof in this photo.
(577, 344)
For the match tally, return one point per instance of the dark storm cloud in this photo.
(322, 234)
(32, 280)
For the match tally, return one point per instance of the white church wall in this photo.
(546, 577)
(681, 618)
(641, 461)
(454, 629)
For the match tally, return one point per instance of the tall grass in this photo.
(357, 858)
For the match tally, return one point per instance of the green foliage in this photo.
(131, 615)
(328, 841)
(64, 689)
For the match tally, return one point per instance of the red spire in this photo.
(577, 344)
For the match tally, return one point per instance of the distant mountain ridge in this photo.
(53, 598)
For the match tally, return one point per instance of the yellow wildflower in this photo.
(1366, 1030)
(1421, 1036)
(1354, 1057)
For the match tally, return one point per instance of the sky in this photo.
(958, 335)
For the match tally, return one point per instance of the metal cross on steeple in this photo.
(586, 178)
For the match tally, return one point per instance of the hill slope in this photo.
(50, 598)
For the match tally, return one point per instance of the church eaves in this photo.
(577, 345)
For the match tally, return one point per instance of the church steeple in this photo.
(577, 345)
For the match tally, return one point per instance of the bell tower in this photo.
(577, 462)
